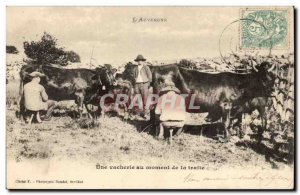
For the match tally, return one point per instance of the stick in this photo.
(146, 128)
(92, 56)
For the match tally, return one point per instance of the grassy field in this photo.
(116, 141)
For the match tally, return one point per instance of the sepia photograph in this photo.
(154, 98)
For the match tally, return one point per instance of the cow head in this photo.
(265, 75)
(105, 76)
(128, 72)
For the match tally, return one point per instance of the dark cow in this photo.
(81, 85)
(124, 85)
(219, 94)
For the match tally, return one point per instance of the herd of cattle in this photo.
(225, 95)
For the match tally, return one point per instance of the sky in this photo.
(188, 32)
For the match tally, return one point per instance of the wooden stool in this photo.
(171, 136)
(170, 126)
(34, 113)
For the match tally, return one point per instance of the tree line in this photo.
(46, 51)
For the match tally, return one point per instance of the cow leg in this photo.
(94, 113)
(74, 114)
(226, 122)
(154, 121)
(79, 98)
(226, 127)
(243, 125)
(240, 131)
(261, 130)
(78, 105)
(126, 114)
(98, 112)
(213, 114)
(88, 110)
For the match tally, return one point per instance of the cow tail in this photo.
(130, 91)
(21, 88)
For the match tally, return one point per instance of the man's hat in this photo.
(36, 74)
(170, 87)
(140, 58)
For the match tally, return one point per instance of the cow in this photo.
(124, 85)
(81, 85)
(219, 94)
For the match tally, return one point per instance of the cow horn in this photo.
(254, 68)
(272, 67)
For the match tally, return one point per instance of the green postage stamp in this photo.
(264, 28)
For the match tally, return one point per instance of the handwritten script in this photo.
(258, 176)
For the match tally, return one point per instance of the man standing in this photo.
(36, 98)
(142, 78)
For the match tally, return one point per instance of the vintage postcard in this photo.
(150, 98)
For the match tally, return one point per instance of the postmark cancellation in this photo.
(264, 28)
